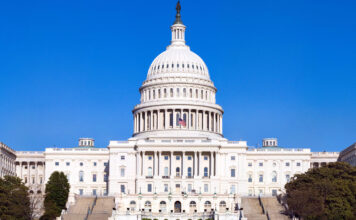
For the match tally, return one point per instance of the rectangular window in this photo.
(94, 177)
(232, 189)
(57, 163)
(233, 158)
(177, 157)
(41, 180)
(122, 157)
(298, 164)
(105, 177)
(81, 192)
(94, 164)
(122, 188)
(250, 164)
(189, 187)
(105, 164)
(149, 187)
(233, 172)
(189, 158)
(250, 178)
(33, 180)
(68, 164)
(165, 187)
(287, 164)
(260, 164)
(205, 157)
(260, 178)
(165, 157)
(149, 157)
(287, 177)
(94, 192)
(206, 188)
(122, 172)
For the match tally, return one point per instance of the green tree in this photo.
(57, 190)
(14, 199)
(324, 193)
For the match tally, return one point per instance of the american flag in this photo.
(182, 122)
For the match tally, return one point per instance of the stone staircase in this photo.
(102, 209)
(98, 208)
(252, 209)
(274, 208)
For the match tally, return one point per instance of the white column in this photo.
(156, 164)
(166, 121)
(189, 119)
(182, 167)
(159, 163)
(200, 163)
(195, 164)
(211, 164)
(142, 167)
(174, 118)
(170, 163)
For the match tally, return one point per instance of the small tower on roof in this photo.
(178, 29)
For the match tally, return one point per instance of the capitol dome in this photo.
(178, 97)
(177, 61)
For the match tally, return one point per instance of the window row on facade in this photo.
(151, 94)
(191, 119)
(178, 66)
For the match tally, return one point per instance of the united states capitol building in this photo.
(177, 162)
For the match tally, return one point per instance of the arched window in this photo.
(205, 172)
(190, 93)
(192, 204)
(185, 118)
(189, 171)
(147, 204)
(207, 204)
(274, 176)
(196, 94)
(171, 92)
(149, 94)
(81, 176)
(159, 93)
(154, 94)
(222, 204)
(166, 171)
(201, 94)
(165, 93)
(132, 203)
(178, 171)
(178, 92)
(184, 92)
(149, 171)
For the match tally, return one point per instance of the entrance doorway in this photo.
(177, 207)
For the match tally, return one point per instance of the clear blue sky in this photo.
(71, 69)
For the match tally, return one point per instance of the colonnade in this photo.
(30, 172)
(157, 165)
(154, 94)
(164, 119)
(7, 164)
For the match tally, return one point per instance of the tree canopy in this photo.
(57, 191)
(14, 199)
(324, 193)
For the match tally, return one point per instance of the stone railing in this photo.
(75, 149)
(304, 150)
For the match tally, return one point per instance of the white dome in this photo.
(178, 61)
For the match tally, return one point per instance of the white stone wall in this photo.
(7, 161)
(73, 162)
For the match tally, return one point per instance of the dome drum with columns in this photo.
(178, 97)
